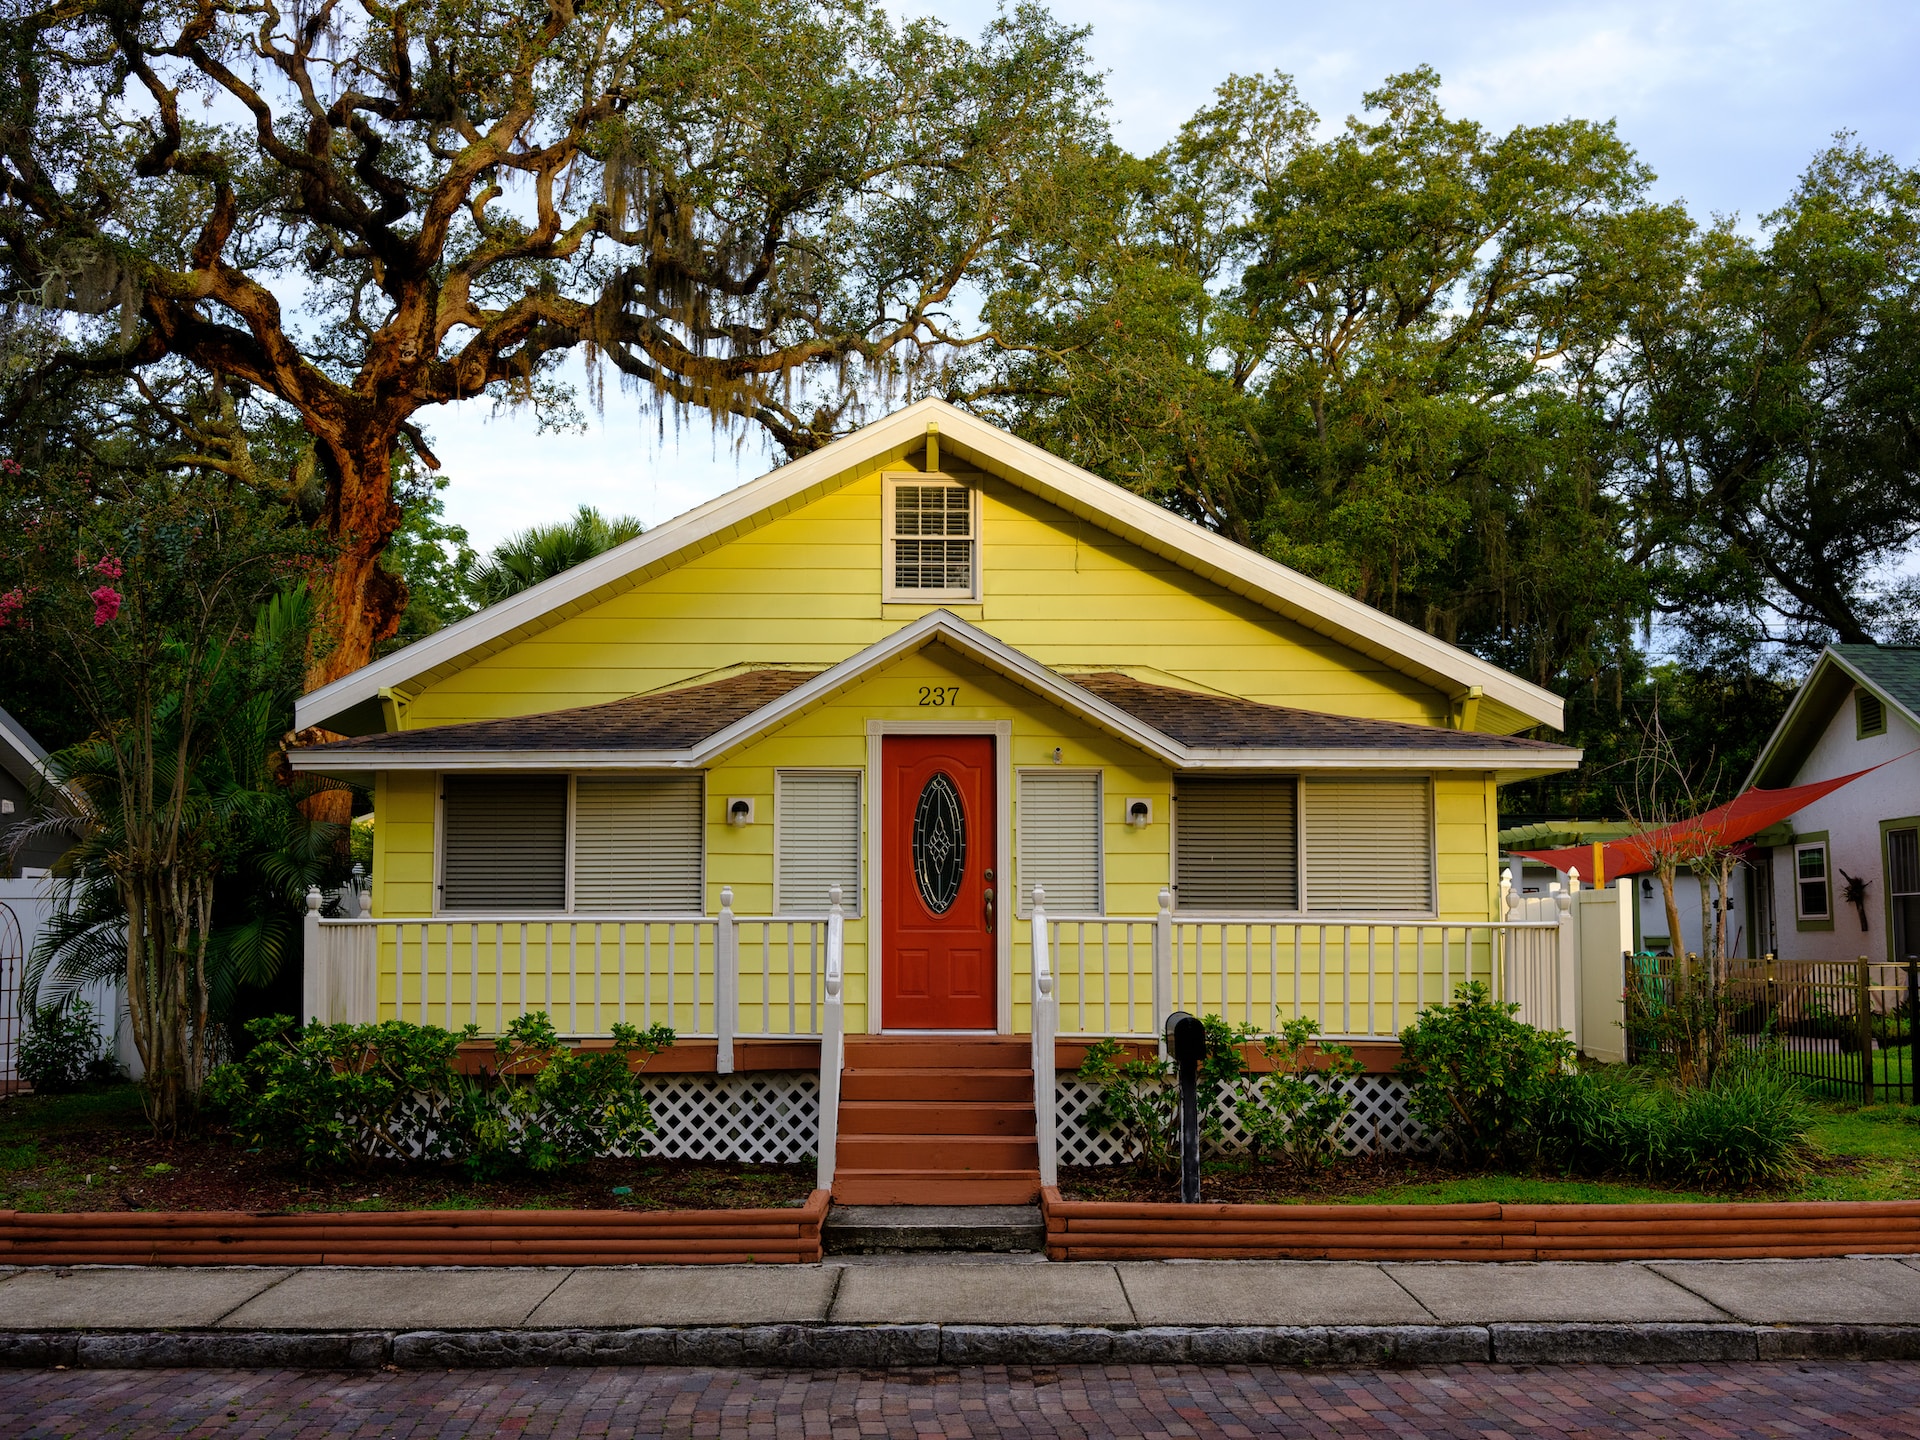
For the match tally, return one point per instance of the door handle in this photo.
(989, 899)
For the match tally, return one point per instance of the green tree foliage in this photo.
(768, 209)
(170, 606)
(543, 551)
(1380, 356)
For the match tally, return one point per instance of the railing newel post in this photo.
(316, 971)
(1043, 1025)
(832, 1041)
(1863, 999)
(726, 982)
(1163, 966)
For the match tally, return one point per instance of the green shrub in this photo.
(1479, 1077)
(345, 1095)
(62, 1048)
(1298, 1108)
(1140, 1099)
(349, 1095)
(546, 1104)
(1749, 1127)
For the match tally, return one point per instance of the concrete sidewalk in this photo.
(959, 1310)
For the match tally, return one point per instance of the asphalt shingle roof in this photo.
(1224, 722)
(663, 720)
(1895, 669)
(680, 719)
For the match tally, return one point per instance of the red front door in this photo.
(938, 958)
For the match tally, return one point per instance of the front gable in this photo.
(789, 569)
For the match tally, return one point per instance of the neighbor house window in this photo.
(1869, 714)
(816, 820)
(1368, 845)
(932, 540)
(505, 843)
(1236, 845)
(1811, 886)
(637, 844)
(1059, 843)
(624, 845)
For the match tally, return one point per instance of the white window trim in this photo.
(1023, 900)
(440, 844)
(852, 912)
(889, 593)
(1826, 867)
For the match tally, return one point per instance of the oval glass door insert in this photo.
(939, 843)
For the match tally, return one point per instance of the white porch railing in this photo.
(1361, 978)
(718, 977)
(1046, 1021)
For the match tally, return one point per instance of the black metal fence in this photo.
(1845, 1026)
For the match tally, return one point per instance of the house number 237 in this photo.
(939, 695)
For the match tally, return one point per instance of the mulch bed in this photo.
(131, 1170)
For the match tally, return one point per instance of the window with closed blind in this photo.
(1368, 845)
(1059, 840)
(637, 844)
(816, 818)
(1236, 845)
(505, 845)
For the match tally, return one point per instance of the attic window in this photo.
(1869, 714)
(932, 535)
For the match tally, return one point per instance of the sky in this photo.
(1725, 101)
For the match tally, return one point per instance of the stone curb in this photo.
(869, 1347)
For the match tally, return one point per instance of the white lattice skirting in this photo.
(1378, 1122)
(765, 1116)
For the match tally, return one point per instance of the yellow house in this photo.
(935, 741)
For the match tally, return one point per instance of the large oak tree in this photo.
(366, 208)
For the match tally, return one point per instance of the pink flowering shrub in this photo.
(106, 604)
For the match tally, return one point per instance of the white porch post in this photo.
(316, 998)
(1163, 996)
(726, 982)
(1044, 1027)
(833, 1027)
(1566, 969)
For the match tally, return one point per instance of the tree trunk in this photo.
(364, 599)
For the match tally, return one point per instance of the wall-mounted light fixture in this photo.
(1139, 813)
(740, 811)
(1059, 756)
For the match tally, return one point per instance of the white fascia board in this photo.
(1112, 507)
(944, 627)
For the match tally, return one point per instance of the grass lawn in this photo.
(93, 1151)
(1872, 1153)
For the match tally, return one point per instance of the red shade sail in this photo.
(1745, 815)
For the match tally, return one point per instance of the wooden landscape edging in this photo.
(1101, 1230)
(418, 1237)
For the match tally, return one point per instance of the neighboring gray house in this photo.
(1859, 708)
(22, 772)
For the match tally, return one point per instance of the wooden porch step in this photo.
(935, 1187)
(958, 1154)
(885, 1117)
(913, 1052)
(926, 1084)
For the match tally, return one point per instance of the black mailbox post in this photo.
(1187, 1043)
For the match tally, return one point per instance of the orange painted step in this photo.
(920, 1187)
(935, 1052)
(879, 1117)
(936, 1085)
(968, 1154)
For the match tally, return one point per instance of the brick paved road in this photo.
(1485, 1402)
